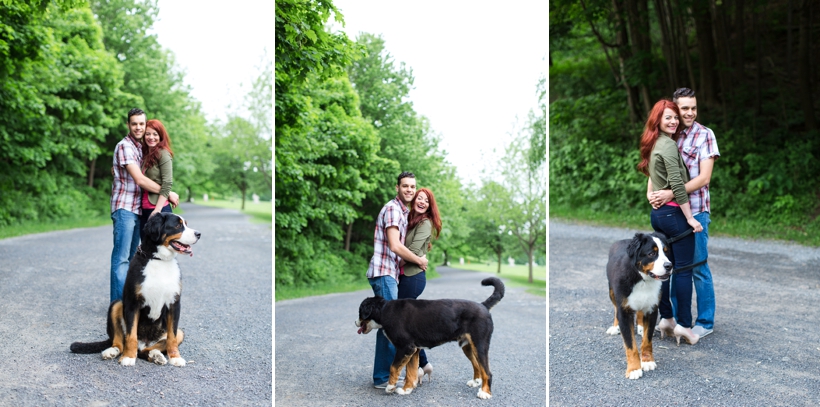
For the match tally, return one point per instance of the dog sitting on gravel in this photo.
(414, 324)
(144, 323)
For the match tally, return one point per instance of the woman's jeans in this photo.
(412, 287)
(670, 221)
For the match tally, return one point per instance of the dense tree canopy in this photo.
(753, 65)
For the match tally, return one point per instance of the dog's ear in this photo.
(152, 230)
(634, 245)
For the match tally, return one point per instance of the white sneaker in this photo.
(701, 331)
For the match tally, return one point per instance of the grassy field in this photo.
(261, 212)
(289, 293)
(41, 227)
(517, 276)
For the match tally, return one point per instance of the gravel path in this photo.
(322, 361)
(54, 291)
(765, 349)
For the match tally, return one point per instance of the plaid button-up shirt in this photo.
(125, 193)
(384, 261)
(697, 144)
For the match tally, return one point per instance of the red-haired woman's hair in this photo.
(150, 156)
(651, 131)
(414, 218)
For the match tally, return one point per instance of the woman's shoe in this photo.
(687, 333)
(667, 327)
(427, 370)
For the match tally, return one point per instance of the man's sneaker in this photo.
(399, 383)
(701, 331)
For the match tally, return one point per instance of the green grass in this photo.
(291, 292)
(516, 276)
(260, 213)
(41, 227)
(807, 234)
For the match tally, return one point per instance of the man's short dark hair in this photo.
(404, 174)
(134, 112)
(683, 93)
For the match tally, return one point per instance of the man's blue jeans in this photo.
(126, 239)
(387, 287)
(703, 276)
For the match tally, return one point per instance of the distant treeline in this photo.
(69, 73)
(755, 67)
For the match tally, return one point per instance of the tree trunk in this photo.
(638, 23)
(668, 42)
(683, 36)
(741, 41)
(622, 39)
(724, 59)
(703, 26)
(804, 68)
(444, 263)
(91, 173)
(244, 189)
(499, 262)
(529, 255)
(347, 236)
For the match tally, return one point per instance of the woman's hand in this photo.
(660, 198)
(694, 224)
(154, 212)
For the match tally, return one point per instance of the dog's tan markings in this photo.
(130, 350)
(395, 370)
(612, 298)
(172, 341)
(633, 359)
(648, 267)
(116, 320)
(470, 351)
(412, 374)
(168, 239)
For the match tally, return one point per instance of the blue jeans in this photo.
(412, 287)
(126, 239)
(670, 221)
(703, 276)
(387, 288)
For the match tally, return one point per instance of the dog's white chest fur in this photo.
(644, 296)
(161, 285)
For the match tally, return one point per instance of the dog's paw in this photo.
(128, 361)
(613, 330)
(157, 357)
(640, 330)
(635, 374)
(178, 362)
(474, 383)
(404, 392)
(390, 388)
(483, 395)
(110, 353)
(648, 366)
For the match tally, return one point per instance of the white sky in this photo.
(476, 65)
(219, 46)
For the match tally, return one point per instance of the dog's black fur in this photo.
(635, 270)
(412, 324)
(134, 328)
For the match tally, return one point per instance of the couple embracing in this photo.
(404, 231)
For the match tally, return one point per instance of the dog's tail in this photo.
(91, 347)
(498, 293)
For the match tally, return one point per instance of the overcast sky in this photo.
(219, 45)
(476, 65)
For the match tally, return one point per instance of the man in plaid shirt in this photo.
(383, 271)
(699, 150)
(125, 199)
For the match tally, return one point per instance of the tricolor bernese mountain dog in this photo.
(411, 325)
(145, 322)
(635, 270)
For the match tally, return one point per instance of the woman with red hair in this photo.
(156, 165)
(661, 161)
(422, 221)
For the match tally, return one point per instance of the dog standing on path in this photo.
(635, 270)
(414, 324)
(145, 322)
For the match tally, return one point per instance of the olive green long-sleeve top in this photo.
(163, 174)
(667, 170)
(417, 240)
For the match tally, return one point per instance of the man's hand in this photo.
(423, 262)
(173, 197)
(660, 198)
